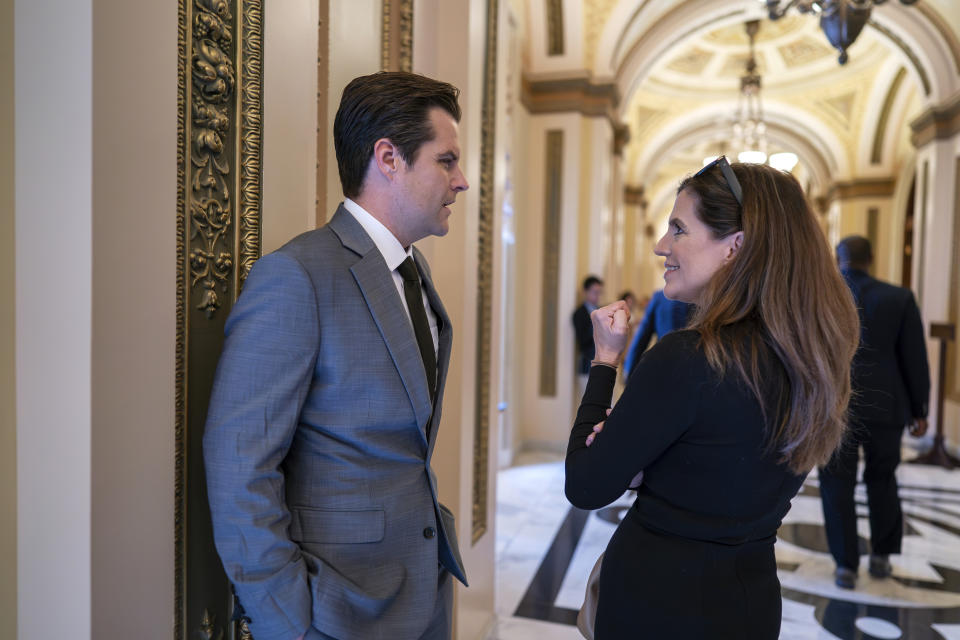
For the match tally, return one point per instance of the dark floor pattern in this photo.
(835, 615)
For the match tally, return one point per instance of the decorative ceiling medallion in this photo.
(734, 64)
(803, 51)
(644, 118)
(595, 14)
(841, 107)
(733, 35)
(692, 61)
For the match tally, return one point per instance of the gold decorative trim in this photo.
(578, 94)
(485, 240)
(251, 136)
(937, 123)
(180, 357)
(550, 304)
(861, 188)
(396, 35)
(210, 204)
(219, 141)
(876, 154)
(907, 51)
(635, 196)
(555, 45)
(323, 92)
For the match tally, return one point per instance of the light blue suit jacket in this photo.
(317, 459)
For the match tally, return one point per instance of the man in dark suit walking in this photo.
(891, 383)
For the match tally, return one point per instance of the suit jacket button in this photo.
(429, 533)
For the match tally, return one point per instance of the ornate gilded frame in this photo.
(485, 240)
(396, 42)
(219, 131)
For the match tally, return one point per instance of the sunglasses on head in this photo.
(728, 175)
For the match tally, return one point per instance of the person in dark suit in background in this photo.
(583, 328)
(891, 382)
(661, 316)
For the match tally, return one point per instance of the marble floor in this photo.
(546, 549)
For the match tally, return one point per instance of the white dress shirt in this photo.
(393, 254)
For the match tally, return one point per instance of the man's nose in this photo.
(459, 181)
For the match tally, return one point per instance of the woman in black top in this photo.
(725, 418)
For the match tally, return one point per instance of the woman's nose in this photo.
(661, 248)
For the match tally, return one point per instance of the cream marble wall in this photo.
(8, 399)
(54, 315)
(854, 220)
(934, 239)
(289, 120)
(545, 421)
(354, 51)
(133, 333)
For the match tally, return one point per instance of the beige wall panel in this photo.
(354, 51)
(54, 312)
(134, 325)
(544, 422)
(934, 236)
(289, 120)
(8, 393)
(855, 220)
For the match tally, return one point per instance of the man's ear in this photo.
(387, 157)
(734, 244)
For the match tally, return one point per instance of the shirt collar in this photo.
(390, 248)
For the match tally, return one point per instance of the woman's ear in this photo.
(734, 244)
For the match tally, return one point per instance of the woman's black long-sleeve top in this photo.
(699, 438)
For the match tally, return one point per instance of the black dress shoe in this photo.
(880, 566)
(845, 578)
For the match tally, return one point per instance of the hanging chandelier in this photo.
(749, 129)
(841, 20)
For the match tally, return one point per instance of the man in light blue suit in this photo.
(327, 397)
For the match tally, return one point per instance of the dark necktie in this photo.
(418, 315)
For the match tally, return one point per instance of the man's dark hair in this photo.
(590, 281)
(855, 252)
(388, 104)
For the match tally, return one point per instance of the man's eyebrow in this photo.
(678, 222)
(452, 155)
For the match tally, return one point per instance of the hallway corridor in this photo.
(546, 549)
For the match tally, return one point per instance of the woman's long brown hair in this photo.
(781, 291)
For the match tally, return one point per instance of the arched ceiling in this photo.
(678, 65)
(698, 79)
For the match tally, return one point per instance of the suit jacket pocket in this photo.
(329, 526)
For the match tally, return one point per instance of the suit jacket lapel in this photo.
(380, 293)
